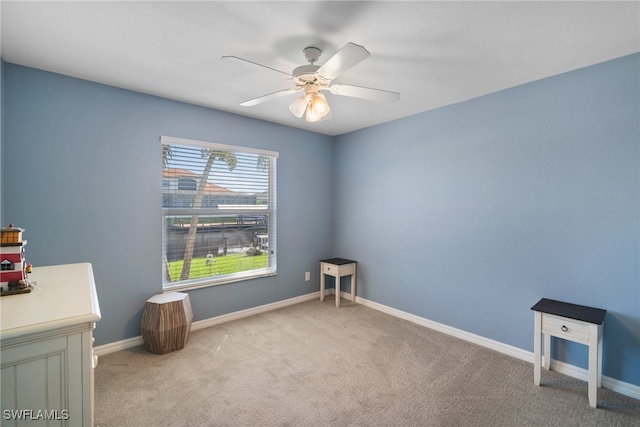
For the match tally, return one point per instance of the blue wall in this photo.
(82, 174)
(468, 215)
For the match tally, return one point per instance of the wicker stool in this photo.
(166, 322)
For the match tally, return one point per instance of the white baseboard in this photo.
(201, 324)
(607, 382)
(573, 371)
(618, 386)
(112, 347)
(516, 352)
(101, 350)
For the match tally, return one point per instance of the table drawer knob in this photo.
(564, 328)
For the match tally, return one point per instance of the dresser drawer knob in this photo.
(564, 328)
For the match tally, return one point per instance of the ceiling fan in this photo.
(312, 79)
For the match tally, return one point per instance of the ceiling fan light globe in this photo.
(319, 106)
(311, 116)
(298, 106)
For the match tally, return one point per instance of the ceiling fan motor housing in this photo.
(307, 74)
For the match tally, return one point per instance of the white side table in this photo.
(338, 267)
(572, 322)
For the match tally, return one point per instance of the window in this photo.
(218, 213)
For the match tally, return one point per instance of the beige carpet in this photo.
(313, 364)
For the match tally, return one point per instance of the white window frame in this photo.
(269, 209)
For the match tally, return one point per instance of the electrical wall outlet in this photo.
(307, 276)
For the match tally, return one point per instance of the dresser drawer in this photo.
(329, 268)
(562, 327)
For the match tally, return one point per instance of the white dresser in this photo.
(46, 342)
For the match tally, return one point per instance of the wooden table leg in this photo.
(600, 327)
(353, 285)
(321, 282)
(546, 353)
(537, 353)
(593, 366)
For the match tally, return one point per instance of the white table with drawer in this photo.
(572, 322)
(338, 267)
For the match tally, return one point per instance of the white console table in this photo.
(46, 342)
(572, 322)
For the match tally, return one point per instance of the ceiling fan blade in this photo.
(365, 93)
(351, 54)
(235, 58)
(269, 97)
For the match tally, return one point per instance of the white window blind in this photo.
(218, 213)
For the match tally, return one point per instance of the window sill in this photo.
(187, 286)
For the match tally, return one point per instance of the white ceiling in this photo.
(433, 53)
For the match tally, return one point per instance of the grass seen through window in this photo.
(228, 264)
